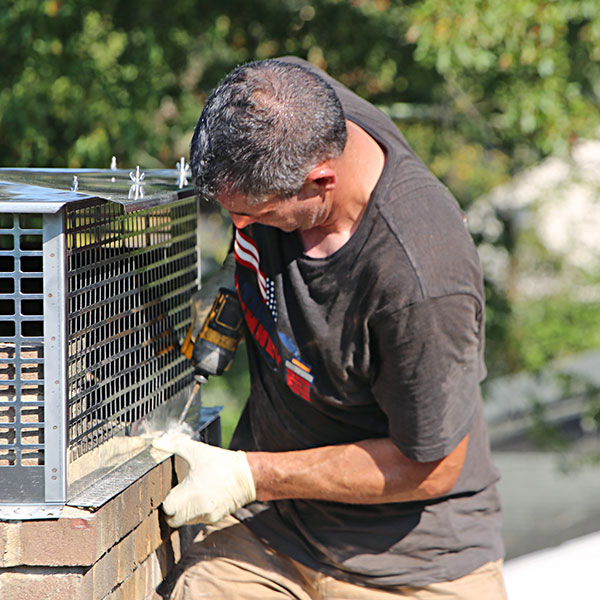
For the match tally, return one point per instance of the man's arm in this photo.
(373, 471)
(367, 472)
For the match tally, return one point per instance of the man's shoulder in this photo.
(422, 220)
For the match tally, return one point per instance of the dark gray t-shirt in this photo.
(383, 338)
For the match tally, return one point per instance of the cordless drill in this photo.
(215, 345)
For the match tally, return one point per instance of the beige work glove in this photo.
(203, 299)
(218, 483)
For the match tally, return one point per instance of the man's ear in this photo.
(322, 176)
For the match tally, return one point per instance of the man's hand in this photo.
(218, 483)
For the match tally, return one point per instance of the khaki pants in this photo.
(231, 563)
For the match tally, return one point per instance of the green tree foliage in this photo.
(523, 76)
(538, 325)
(82, 81)
(480, 86)
(480, 89)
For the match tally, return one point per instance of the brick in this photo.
(49, 586)
(75, 539)
(155, 538)
(116, 552)
(150, 574)
(127, 560)
(141, 498)
(156, 492)
(154, 575)
(103, 573)
(10, 543)
(128, 512)
(148, 491)
(141, 541)
(80, 537)
(107, 518)
(140, 544)
(138, 579)
(132, 589)
(123, 561)
(149, 539)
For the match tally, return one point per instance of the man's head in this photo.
(263, 129)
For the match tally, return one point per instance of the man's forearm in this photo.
(367, 472)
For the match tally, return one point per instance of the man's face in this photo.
(302, 212)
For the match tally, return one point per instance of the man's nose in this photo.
(241, 221)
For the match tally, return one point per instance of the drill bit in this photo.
(189, 401)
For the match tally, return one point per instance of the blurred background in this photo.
(500, 100)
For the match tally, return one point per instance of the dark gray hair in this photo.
(263, 128)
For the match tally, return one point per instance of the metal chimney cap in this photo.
(45, 190)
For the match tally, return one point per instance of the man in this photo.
(363, 466)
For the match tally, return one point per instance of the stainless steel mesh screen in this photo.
(130, 277)
(21, 341)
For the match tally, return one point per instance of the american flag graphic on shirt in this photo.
(275, 345)
(246, 254)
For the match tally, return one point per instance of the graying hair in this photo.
(263, 128)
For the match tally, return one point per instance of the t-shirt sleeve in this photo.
(429, 367)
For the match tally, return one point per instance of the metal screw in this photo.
(137, 188)
(183, 172)
(138, 177)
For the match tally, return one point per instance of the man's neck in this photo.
(358, 170)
